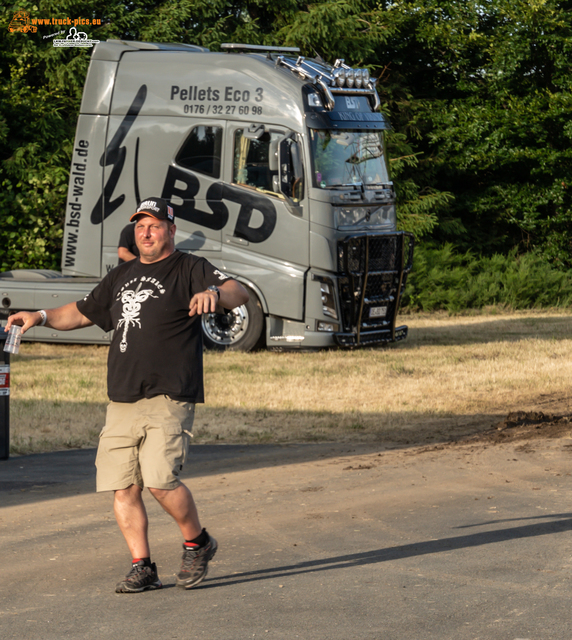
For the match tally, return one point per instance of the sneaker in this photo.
(139, 579)
(194, 565)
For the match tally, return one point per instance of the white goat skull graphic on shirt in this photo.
(131, 307)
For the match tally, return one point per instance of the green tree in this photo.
(40, 89)
(483, 91)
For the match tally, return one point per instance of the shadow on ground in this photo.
(561, 523)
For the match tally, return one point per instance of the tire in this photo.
(240, 329)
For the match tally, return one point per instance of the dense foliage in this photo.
(491, 97)
(479, 94)
(443, 278)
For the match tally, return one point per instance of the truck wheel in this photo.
(238, 330)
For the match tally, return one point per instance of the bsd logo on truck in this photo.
(115, 155)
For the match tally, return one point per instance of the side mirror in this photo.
(273, 155)
(297, 165)
(291, 172)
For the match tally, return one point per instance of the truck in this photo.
(276, 168)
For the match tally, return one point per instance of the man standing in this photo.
(154, 379)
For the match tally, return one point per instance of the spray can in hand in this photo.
(13, 339)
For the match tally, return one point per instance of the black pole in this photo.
(4, 398)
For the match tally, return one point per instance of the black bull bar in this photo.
(372, 274)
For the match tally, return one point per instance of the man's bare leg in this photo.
(131, 517)
(180, 505)
(199, 546)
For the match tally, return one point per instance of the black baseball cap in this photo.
(156, 208)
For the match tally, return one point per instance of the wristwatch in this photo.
(215, 289)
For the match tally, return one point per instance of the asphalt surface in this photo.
(315, 542)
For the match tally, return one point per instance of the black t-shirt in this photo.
(127, 240)
(156, 347)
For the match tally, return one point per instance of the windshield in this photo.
(348, 158)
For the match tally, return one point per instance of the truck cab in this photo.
(275, 166)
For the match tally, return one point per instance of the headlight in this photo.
(367, 216)
(358, 78)
(352, 216)
(340, 76)
(384, 215)
(365, 77)
(349, 78)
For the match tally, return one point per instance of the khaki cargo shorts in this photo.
(144, 443)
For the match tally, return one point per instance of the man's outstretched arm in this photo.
(232, 294)
(62, 319)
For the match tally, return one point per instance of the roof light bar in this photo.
(257, 47)
(339, 78)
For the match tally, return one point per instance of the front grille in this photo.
(372, 276)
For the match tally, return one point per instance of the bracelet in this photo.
(44, 317)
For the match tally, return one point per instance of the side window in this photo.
(253, 164)
(202, 151)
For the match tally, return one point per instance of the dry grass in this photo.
(452, 376)
(58, 397)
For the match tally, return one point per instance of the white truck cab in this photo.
(276, 169)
